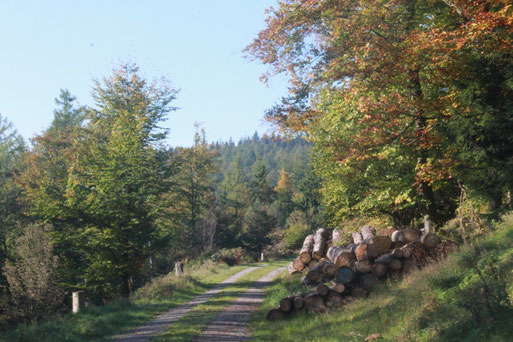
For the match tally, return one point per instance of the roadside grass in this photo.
(466, 297)
(98, 323)
(194, 322)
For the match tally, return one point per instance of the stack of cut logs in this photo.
(355, 269)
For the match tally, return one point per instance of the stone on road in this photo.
(231, 324)
(162, 322)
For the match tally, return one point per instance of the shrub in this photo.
(297, 229)
(32, 277)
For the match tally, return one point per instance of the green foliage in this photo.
(257, 224)
(12, 148)
(296, 231)
(32, 277)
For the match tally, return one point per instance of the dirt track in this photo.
(164, 321)
(231, 324)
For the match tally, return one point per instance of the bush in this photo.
(233, 256)
(296, 231)
(32, 277)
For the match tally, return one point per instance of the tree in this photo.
(12, 148)
(284, 192)
(117, 178)
(375, 84)
(192, 191)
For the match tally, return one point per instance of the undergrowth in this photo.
(96, 323)
(466, 297)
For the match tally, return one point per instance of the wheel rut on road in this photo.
(163, 322)
(232, 323)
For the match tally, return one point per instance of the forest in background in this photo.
(97, 202)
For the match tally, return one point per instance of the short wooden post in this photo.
(428, 224)
(262, 258)
(178, 268)
(78, 301)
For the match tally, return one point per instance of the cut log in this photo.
(314, 274)
(398, 244)
(406, 251)
(286, 304)
(324, 232)
(275, 315)
(337, 236)
(411, 234)
(338, 287)
(296, 266)
(322, 289)
(313, 263)
(397, 253)
(305, 255)
(299, 301)
(357, 238)
(368, 281)
(378, 245)
(430, 240)
(363, 266)
(395, 264)
(409, 265)
(361, 251)
(333, 299)
(344, 275)
(352, 247)
(315, 303)
(385, 258)
(398, 236)
(379, 270)
(340, 256)
(368, 232)
(319, 248)
(328, 268)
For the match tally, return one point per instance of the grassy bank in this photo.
(193, 323)
(96, 323)
(466, 297)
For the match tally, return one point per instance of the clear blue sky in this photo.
(48, 45)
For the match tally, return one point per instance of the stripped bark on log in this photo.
(368, 232)
(398, 236)
(337, 236)
(357, 238)
(305, 255)
(340, 256)
(320, 244)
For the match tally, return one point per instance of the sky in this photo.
(51, 45)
